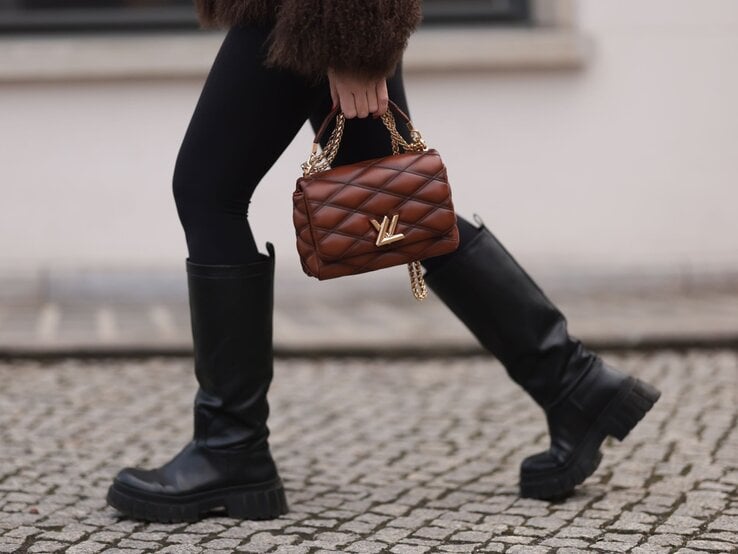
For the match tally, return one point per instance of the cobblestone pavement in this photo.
(377, 456)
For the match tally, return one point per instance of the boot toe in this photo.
(140, 479)
(542, 462)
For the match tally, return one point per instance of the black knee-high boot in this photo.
(228, 463)
(584, 399)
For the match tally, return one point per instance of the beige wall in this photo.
(628, 165)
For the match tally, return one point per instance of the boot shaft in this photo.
(231, 309)
(511, 316)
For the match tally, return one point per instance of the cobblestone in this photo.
(377, 456)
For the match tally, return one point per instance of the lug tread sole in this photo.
(631, 404)
(249, 503)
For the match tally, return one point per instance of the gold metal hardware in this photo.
(417, 283)
(321, 160)
(417, 144)
(386, 230)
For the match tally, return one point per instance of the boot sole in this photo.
(256, 502)
(618, 419)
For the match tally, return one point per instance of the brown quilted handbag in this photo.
(376, 213)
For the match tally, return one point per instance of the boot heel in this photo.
(264, 504)
(639, 400)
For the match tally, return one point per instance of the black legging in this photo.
(245, 118)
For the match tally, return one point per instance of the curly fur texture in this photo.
(361, 37)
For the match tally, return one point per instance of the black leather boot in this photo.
(584, 399)
(228, 463)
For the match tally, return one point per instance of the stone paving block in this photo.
(182, 538)
(86, 547)
(579, 532)
(725, 523)
(221, 544)
(391, 535)
(292, 549)
(366, 547)
(560, 542)
(22, 532)
(181, 549)
(10, 544)
(391, 509)
(611, 546)
(409, 549)
(713, 546)
(666, 539)
(47, 546)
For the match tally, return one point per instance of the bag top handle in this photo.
(334, 112)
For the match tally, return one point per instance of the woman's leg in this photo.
(245, 118)
(584, 399)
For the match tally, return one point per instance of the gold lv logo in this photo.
(386, 230)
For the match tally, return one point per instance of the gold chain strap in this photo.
(321, 161)
(417, 144)
(417, 283)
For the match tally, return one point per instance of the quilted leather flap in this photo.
(342, 202)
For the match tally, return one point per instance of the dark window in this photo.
(51, 15)
(101, 15)
(476, 11)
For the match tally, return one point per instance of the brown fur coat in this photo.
(362, 37)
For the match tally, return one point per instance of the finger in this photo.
(371, 96)
(348, 104)
(382, 98)
(362, 103)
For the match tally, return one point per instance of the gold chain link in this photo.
(322, 160)
(417, 283)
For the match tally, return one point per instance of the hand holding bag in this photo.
(376, 213)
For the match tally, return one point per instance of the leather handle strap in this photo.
(334, 112)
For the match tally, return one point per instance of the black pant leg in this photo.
(245, 118)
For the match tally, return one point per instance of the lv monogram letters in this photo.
(386, 230)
